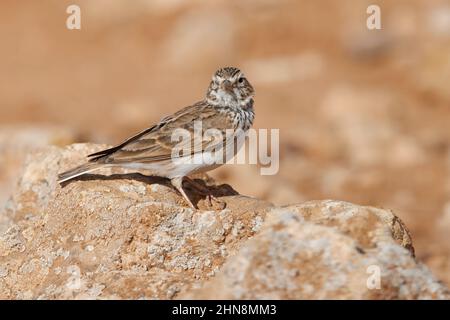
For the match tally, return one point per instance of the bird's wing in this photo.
(157, 143)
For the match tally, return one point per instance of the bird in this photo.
(227, 108)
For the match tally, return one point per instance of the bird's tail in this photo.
(78, 171)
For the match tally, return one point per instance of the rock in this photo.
(15, 143)
(128, 236)
(369, 226)
(294, 258)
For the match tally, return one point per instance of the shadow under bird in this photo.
(228, 105)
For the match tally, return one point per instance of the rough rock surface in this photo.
(132, 236)
(323, 250)
(15, 143)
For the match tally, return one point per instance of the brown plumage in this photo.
(228, 105)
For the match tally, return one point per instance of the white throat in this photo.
(223, 98)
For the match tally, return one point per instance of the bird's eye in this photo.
(241, 80)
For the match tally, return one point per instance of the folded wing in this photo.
(156, 143)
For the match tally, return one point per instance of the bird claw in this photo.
(214, 202)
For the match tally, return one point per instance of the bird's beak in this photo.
(227, 86)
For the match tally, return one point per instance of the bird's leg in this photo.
(197, 186)
(178, 184)
(204, 191)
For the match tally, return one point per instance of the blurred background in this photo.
(364, 116)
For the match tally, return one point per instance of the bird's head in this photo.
(229, 87)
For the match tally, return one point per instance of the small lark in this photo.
(228, 105)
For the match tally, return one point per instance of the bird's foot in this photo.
(216, 203)
(213, 201)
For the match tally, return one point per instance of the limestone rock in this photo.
(116, 234)
(293, 258)
(126, 236)
(16, 142)
(368, 225)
